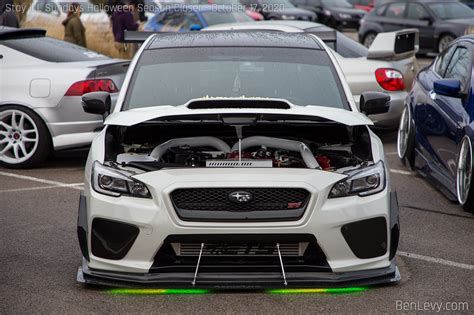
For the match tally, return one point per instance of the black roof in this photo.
(234, 39)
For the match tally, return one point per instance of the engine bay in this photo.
(238, 142)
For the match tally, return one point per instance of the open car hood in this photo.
(236, 106)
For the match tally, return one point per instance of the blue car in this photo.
(436, 133)
(184, 18)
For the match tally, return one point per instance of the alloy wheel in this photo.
(444, 42)
(403, 134)
(464, 171)
(369, 39)
(19, 136)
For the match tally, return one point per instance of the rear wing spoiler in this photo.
(395, 45)
(329, 37)
(17, 33)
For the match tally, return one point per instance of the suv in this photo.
(216, 170)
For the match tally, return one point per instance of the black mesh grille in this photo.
(217, 199)
(264, 204)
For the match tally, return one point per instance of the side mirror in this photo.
(374, 103)
(195, 27)
(98, 103)
(447, 87)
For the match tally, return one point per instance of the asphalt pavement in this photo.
(39, 255)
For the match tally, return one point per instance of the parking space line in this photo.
(40, 180)
(437, 260)
(41, 187)
(401, 172)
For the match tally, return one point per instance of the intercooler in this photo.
(239, 250)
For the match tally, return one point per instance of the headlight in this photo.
(344, 16)
(287, 17)
(364, 182)
(111, 182)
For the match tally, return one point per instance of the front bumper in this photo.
(336, 260)
(250, 280)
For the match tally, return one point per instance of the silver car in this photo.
(388, 66)
(42, 81)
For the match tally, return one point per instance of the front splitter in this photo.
(244, 281)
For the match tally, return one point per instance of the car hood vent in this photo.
(244, 103)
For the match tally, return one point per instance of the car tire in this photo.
(24, 138)
(406, 139)
(444, 42)
(368, 39)
(464, 187)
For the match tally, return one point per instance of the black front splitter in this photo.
(250, 281)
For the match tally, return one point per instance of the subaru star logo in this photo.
(240, 196)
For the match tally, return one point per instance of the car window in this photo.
(379, 11)
(417, 12)
(442, 61)
(190, 19)
(396, 10)
(172, 21)
(450, 11)
(460, 66)
(52, 50)
(175, 76)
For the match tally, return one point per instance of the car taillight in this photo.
(390, 79)
(82, 87)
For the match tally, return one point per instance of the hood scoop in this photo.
(238, 103)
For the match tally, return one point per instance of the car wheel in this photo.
(24, 138)
(444, 42)
(406, 139)
(464, 192)
(369, 39)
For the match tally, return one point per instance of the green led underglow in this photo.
(156, 291)
(325, 290)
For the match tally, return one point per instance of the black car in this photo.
(338, 14)
(439, 21)
(279, 10)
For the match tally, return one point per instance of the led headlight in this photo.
(112, 182)
(363, 182)
(327, 12)
(344, 16)
(287, 17)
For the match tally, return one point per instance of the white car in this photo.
(237, 159)
(42, 80)
(388, 66)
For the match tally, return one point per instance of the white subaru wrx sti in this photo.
(237, 159)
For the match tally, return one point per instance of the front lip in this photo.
(251, 280)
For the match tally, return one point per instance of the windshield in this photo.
(175, 76)
(451, 11)
(337, 3)
(215, 17)
(278, 4)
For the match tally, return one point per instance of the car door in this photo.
(447, 116)
(394, 17)
(418, 17)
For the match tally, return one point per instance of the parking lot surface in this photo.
(39, 255)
